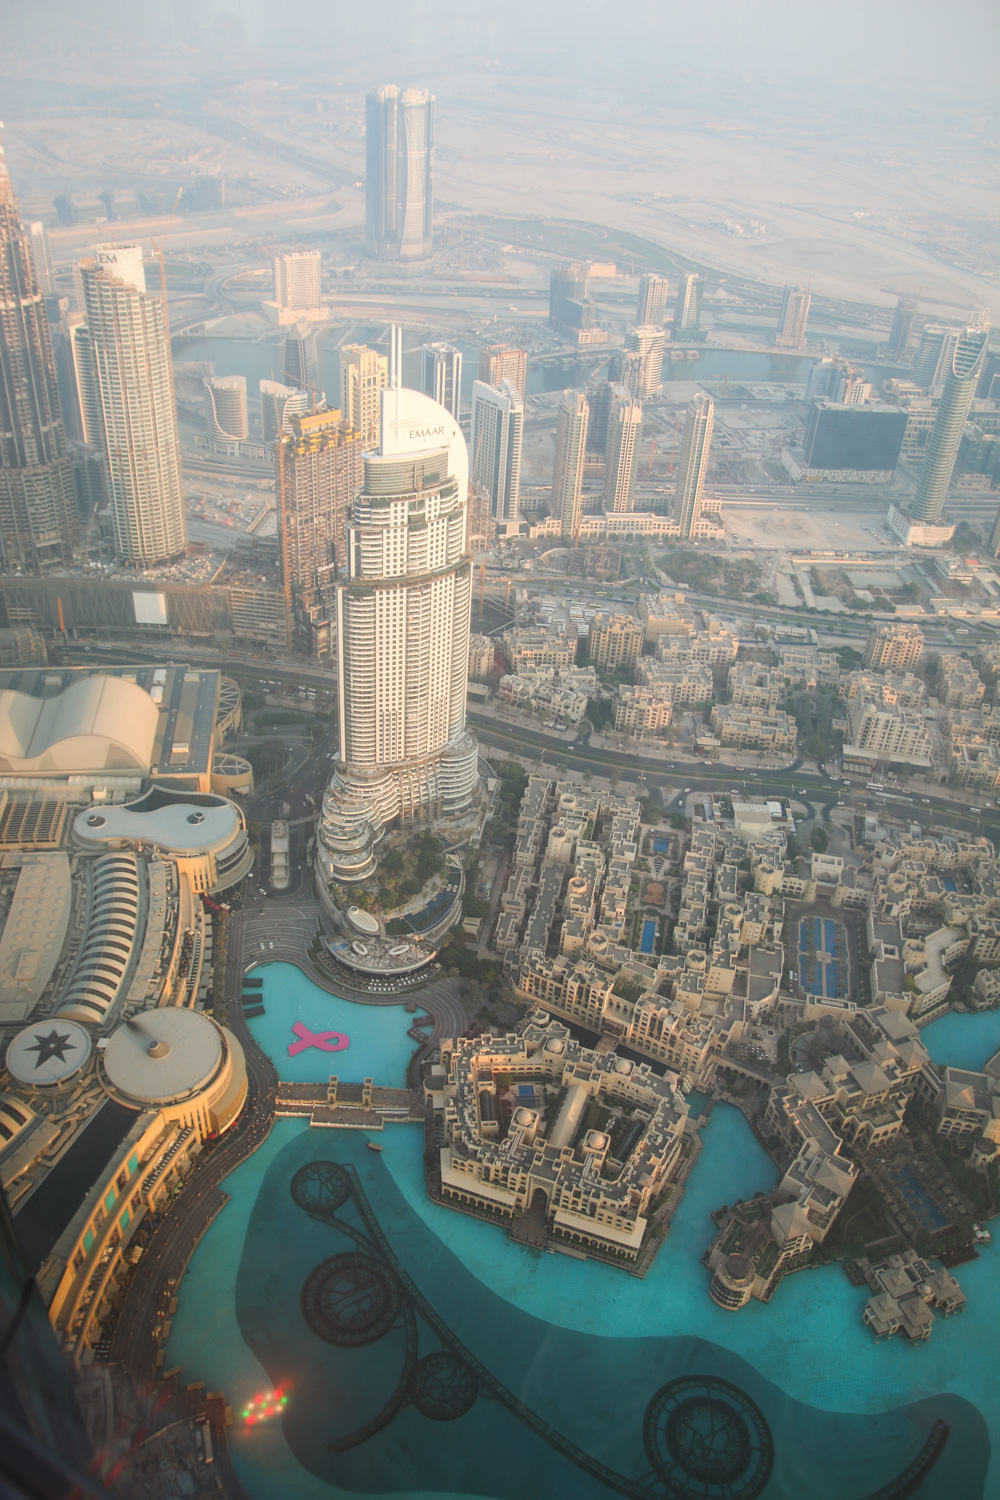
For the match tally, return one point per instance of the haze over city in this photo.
(499, 750)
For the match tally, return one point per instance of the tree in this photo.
(819, 841)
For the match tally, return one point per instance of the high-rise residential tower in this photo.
(504, 362)
(792, 318)
(647, 342)
(226, 423)
(949, 424)
(364, 374)
(399, 156)
(317, 476)
(902, 327)
(567, 473)
(38, 514)
(693, 464)
(403, 626)
(622, 451)
(296, 279)
(441, 375)
(278, 404)
(651, 303)
(497, 434)
(687, 308)
(134, 378)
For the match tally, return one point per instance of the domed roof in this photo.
(48, 1052)
(163, 1054)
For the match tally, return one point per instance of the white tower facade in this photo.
(296, 279)
(134, 380)
(364, 375)
(497, 435)
(403, 624)
(622, 452)
(571, 450)
(441, 375)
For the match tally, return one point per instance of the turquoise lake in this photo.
(378, 1044)
(582, 1344)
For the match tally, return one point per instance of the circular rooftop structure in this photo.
(362, 921)
(162, 1055)
(48, 1053)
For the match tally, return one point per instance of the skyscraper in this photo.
(278, 404)
(301, 358)
(792, 318)
(693, 464)
(687, 308)
(364, 375)
(902, 327)
(497, 434)
(571, 309)
(504, 362)
(225, 410)
(131, 355)
(933, 358)
(946, 434)
(317, 475)
(296, 279)
(441, 375)
(651, 303)
(38, 517)
(647, 342)
(622, 451)
(399, 156)
(567, 473)
(403, 624)
(41, 256)
(599, 397)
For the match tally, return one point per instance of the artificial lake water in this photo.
(587, 1348)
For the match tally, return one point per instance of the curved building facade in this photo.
(205, 836)
(403, 619)
(949, 424)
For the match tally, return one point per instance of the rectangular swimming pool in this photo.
(648, 936)
(661, 846)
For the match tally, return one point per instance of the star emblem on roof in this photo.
(52, 1045)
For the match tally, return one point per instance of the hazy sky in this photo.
(711, 47)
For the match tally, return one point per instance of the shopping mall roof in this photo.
(176, 827)
(48, 1053)
(152, 720)
(33, 932)
(162, 1055)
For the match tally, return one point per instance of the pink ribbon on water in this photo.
(326, 1041)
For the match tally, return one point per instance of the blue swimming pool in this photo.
(921, 1201)
(963, 1041)
(378, 1045)
(661, 846)
(648, 936)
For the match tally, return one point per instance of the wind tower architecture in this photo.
(403, 624)
(38, 514)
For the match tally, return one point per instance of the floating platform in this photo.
(249, 1011)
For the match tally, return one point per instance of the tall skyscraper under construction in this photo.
(399, 156)
(130, 349)
(38, 513)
